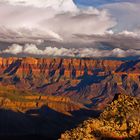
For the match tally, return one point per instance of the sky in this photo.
(97, 3)
(74, 28)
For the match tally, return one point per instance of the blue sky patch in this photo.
(97, 3)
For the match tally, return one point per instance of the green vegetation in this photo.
(15, 94)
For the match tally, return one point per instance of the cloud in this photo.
(111, 30)
(14, 49)
(123, 40)
(28, 21)
(24, 35)
(71, 52)
(65, 5)
(126, 14)
(129, 34)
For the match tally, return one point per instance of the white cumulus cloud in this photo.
(57, 19)
(69, 29)
(69, 52)
(126, 14)
(14, 49)
(65, 5)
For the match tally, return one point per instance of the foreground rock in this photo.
(120, 120)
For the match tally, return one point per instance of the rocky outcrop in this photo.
(60, 104)
(120, 120)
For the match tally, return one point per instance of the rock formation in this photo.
(120, 120)
(90, 82)
(49, 92)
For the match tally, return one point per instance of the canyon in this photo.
(86, 81)
(49, 92)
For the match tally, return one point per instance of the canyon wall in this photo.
(90, 82)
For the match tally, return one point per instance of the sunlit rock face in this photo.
(90, 82)
(120, 120)
(49, 92)
(63, 105)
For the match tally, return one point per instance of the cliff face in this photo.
(63, 105)
(90, 82)
(61, 91)
(70, 68)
